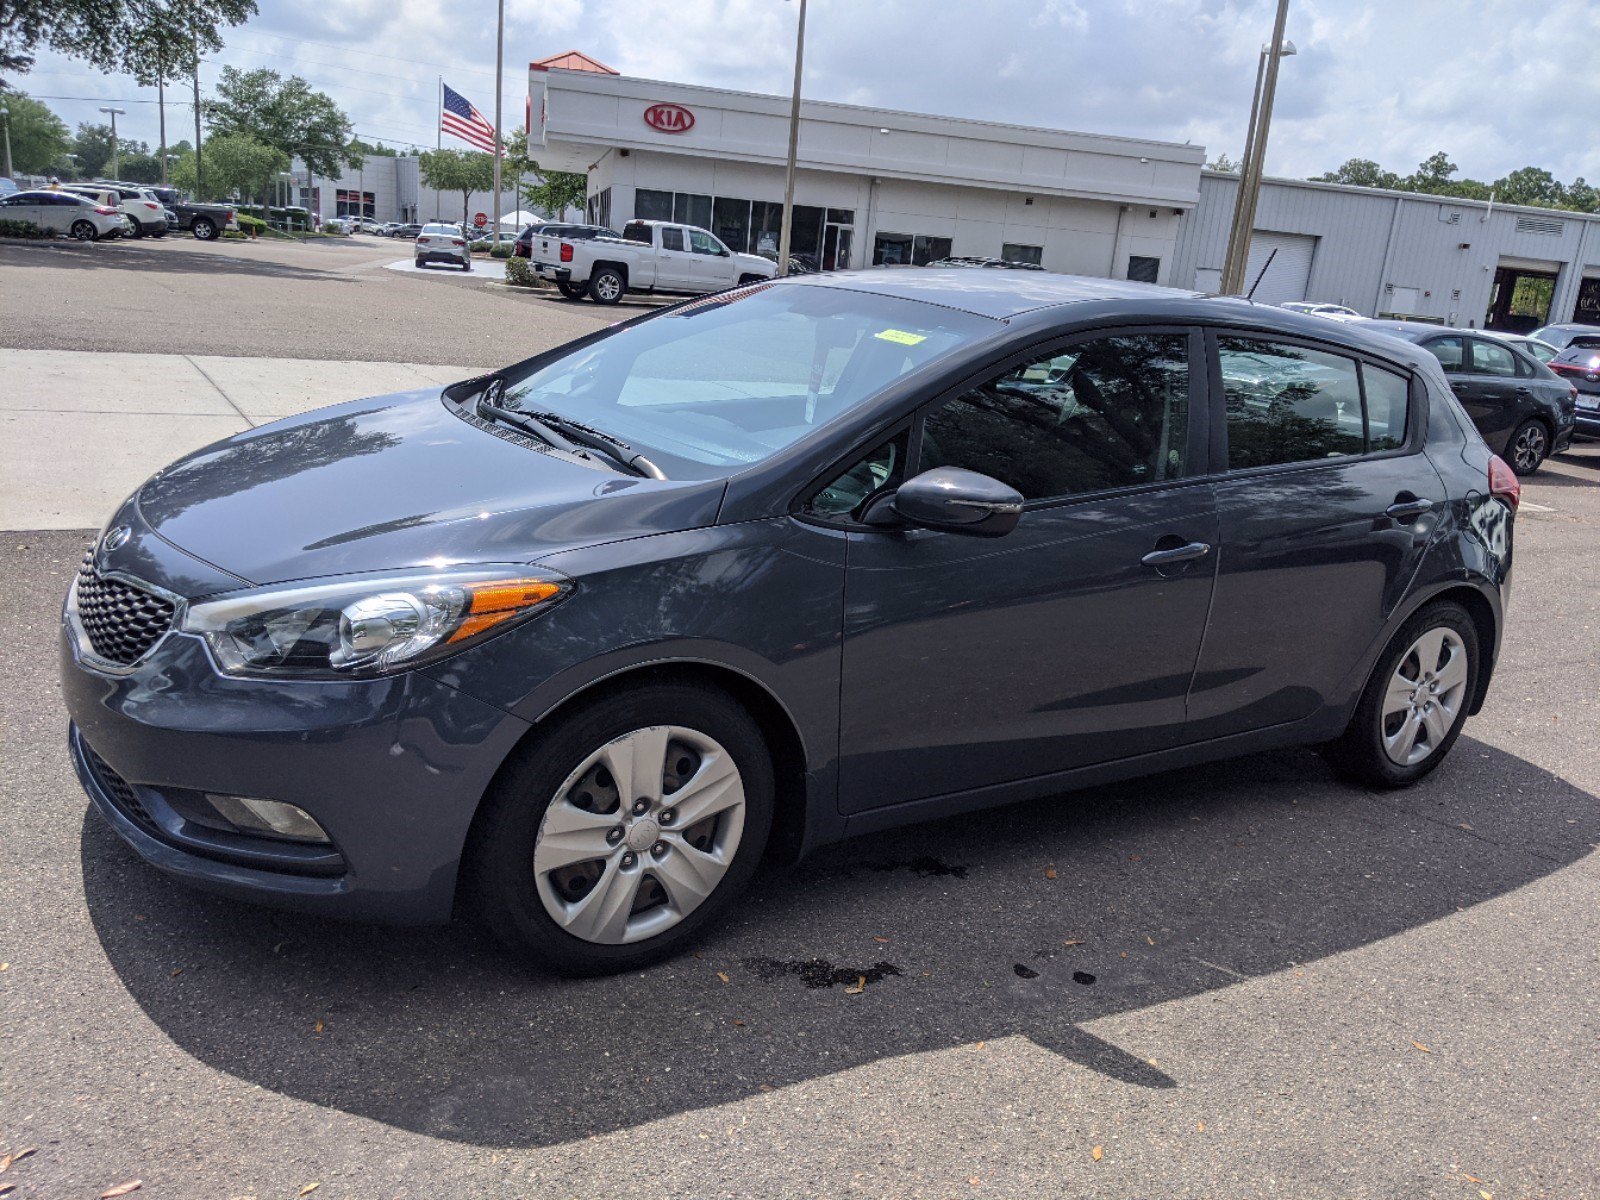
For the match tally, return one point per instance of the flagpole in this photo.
(438, 141)
(499, 90)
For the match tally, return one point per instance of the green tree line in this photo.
(1436, 176)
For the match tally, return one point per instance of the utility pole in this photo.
(116, 165)
(5, 119)
(499, 65)
(1250, 171)
(199, 177)
(794, 145)
(161, 110)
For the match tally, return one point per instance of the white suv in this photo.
(143, 208)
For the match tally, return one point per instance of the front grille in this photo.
(121, 791)
(122, 621)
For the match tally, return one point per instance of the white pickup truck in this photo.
(650, 256)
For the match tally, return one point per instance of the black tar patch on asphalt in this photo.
(818, 972)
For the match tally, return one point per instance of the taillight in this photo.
(104, 211)
(1503, 483)
(457, 242)
(566, 252)
(151, 205)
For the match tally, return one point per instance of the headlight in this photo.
(364, 625)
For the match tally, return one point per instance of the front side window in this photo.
(723, 382)
(1288, 404)
(847, 494)
(1490, 359)
(703, 243)
(1109, 413)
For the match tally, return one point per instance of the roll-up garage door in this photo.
(1287, 277)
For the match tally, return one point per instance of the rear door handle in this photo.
(1178, 554)
(1408, 508)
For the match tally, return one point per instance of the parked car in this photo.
(579, 642)
(1532, 346)
(1580, 367)
(8, 186)
(650, 256)
(442, 243)
(205, 221)
(365, 225)
(1562, 336)
(966, 260)
(406, 231)
(63, 212)
(523, 246)
(1337, 311)
(388, 228)
(1523, 410)
(146, 214)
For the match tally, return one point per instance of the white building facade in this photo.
(873, 187)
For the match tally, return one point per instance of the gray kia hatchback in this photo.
(576, 644)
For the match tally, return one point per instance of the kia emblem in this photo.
(669, 118)
(115, 539)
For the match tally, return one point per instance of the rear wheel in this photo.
(570, 290)
(1528, 447)
(205, 228)
(607, 286)
(134, 228)
(1415, 703)
(84, 231)
(625, 830)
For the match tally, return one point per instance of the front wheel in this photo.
(607, 286)
(205, 228)
(84, 231)
(1416, 702)
(745, 280)
(624, 830)
(1528, 447)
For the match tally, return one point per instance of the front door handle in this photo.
(1178, 554)
(1401, 509)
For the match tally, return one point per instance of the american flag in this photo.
(460, 119)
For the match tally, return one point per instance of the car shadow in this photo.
(137, 256)
(1032, 920)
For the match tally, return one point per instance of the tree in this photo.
(91, 145)
(1360, 172)
(552, 191)
(287, 114)
(39, 138)
(1530, 185)
(368, 150)
(464, 171)
(1224, 164)
(237, 164)
(1432, 173)
(126, 36)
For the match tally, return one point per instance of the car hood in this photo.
(754, 262)
(396, 482)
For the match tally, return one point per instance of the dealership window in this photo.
(908, 249)
(1109, 413)
(689, 209)
(1017, 252)
(649, 205)
(351, 203)
(1142, 269)
(599, 207)
(747, 226)
(1288, 404)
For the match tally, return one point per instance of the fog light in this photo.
(271, 817)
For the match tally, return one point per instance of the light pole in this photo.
(5, 119)
(499, 64)
(1244, 210)
(116, 166)
(794, 145)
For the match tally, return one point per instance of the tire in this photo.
(134, 228)
(1361, 753)
(513, 871)
(466, 266)
(571, 290)
(1528, 447)
(749, 279)
(84, 231)
(204, 228)
(607, 286)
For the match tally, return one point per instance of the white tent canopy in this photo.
(520, 218)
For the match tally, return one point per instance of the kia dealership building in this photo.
(873, 186)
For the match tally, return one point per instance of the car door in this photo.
(58, 210)
(713, 262)
(1325, 501)
(22, 206)
(674, 261)
(969, 662)
(1490, 390)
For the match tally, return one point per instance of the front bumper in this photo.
(393, 769)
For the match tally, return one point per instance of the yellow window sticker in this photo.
(901, 336)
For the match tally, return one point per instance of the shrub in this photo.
(500, 250)
(21, 229)
(518, 272)
(247, 222)
(332, 227)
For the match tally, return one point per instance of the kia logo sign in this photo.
(669, 118)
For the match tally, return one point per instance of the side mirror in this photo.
(955, 500)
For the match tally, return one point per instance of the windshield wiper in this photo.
(596, 439)
(487, 409)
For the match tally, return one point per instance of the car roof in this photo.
(998, 294)
(1574, 326)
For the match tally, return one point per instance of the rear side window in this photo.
(1388, 405)
(1109, 413)
(636, 231)
(1288, 404)
(1490, 359)
(672, 239)
(1448, 351)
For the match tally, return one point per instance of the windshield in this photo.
(720, 383)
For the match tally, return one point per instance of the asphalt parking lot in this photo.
(1243, 980)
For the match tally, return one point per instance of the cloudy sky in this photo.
(1498, 84)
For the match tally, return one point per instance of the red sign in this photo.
(669, 118)
(480, 218)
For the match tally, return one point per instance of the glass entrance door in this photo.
(836, 241)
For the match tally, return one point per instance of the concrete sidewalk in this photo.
(79, 430)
